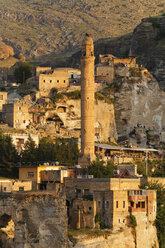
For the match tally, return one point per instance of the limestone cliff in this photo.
(139, 106)
(64, 118)
(140, 237)
(148, 45)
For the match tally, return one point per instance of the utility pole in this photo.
(146, 163)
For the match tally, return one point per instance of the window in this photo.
(19, 108)
(90, 208)
(123, 220)
(123, 204)
(50, 81)
(24, 121)
(78, 191)
(1, 97)
(143, 204)
(119, 220)
(57, 81)
(138, 205)
(4, 189)
(21, 188)
(30, 174)
(117, 205)
(107, 204)
(64, 81)
(44, 80)
(86, 191)
(132, 204)
(154, 208)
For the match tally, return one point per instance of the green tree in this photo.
(29, 154)
(23, 72)
(160, 169)
(8, 157)
(100, 170)
(160, 218)
(64, 151)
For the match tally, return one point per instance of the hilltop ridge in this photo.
(41, 27)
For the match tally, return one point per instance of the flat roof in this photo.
(120, 148)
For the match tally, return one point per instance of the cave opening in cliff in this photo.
(56, 120)
(7, 230)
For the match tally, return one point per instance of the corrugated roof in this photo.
(119, 148)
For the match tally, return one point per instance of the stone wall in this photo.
(40, 219)
(3, 99)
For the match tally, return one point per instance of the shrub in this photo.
(132, 220)
(74, 94)
(135, 72)
(97, 217)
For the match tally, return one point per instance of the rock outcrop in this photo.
(5, 50)
(50, 26)
(139, 106)
(140, 237)
(39, 219)
(147, 44)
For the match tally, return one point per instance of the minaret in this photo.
(87, 102)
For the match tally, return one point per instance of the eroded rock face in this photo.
(139, 106)
(127, 238)
(5, 51)
(40, 219)
(148, 45)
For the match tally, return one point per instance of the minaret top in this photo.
(87, 46)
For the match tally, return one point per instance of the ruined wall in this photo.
(40, 219)
(105, 71)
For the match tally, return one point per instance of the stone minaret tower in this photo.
(87, 102)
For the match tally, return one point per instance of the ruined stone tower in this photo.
(87, 102)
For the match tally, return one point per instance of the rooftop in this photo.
(120, 148)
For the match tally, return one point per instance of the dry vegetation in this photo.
(40, 27)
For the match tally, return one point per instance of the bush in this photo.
(97, 217)
(132, 220)
(74, 94)
(23, 72)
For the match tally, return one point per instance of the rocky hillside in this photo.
(44, 27)
(148, 44)
(138, 105)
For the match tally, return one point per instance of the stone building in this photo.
(19, 139)
(10, 185)
(143, 201)
(40, 69)
(110, 208)
(87, 102)
(35, 174)
(82, 214)
(86, 185)
(17, 114)
(3, 99)
(105, 69)
(58, 78)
